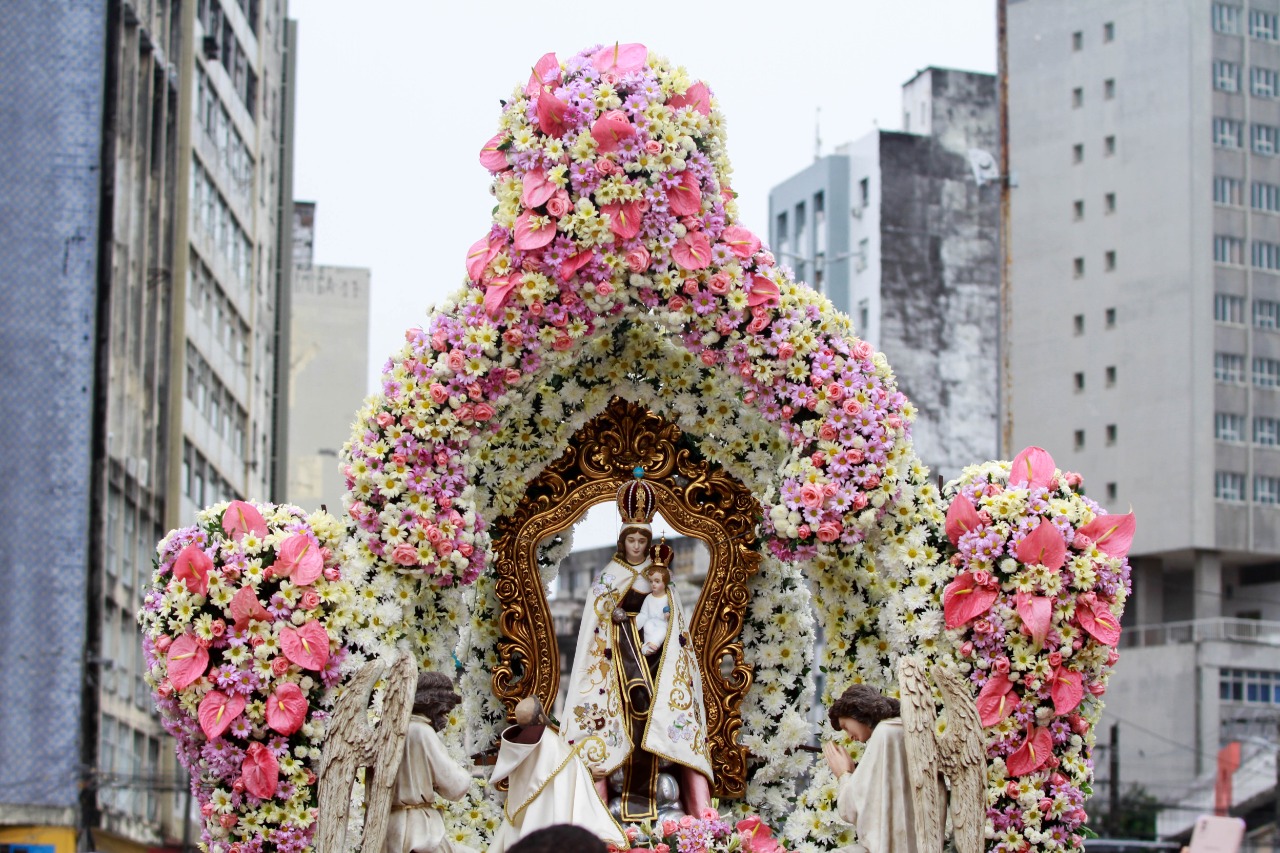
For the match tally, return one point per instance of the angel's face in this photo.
(854, 729)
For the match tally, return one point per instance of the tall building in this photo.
(103, 151)
(328, 366)
(1145, 347)
(895, 229)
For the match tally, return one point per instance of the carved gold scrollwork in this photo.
(698, 499)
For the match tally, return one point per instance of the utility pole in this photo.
(1114, 759)
(1006, 312)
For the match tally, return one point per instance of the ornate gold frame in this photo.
(698, 499)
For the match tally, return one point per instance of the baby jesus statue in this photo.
(655, 612)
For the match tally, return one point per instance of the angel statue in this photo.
(629, 709)
(896, 798)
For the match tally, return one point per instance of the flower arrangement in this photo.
(242, 631)
(710, 833)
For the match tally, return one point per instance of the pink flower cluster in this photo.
(709, 833)
(239, 650)
(1041, 580)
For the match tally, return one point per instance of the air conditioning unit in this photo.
(212, 50)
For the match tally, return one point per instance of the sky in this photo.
(396, 98)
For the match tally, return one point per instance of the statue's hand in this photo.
(837, 759)
(619, 615)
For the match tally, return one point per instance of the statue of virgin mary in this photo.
(630, 710)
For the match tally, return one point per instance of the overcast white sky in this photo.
(395, 98)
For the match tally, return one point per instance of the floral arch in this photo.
(615, 266)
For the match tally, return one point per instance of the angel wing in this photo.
(397, 707)
(962, 750)
(918, 721)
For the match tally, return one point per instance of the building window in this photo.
(1112, 431)
(1226, 19)
(1251, 686)
(1228, 426)
(1228, 486)
(1228, 250)
(1078, 439)
(1077, 98)
(1077, 40)
(1109, 146)
(1077, 324)
(1110, 316)
(1109, 89)
(1266, 490)
(1226, 76)
(1077, 267)
(861, 259)
(1266, 256)
(1266, 432)
(1109, 203)
(864, 192)
(1111, 375)
(1077, 153)
(1263, 138)
(1078, 381)
(1228, 368)
(1266, 314)
(1077, 210)
(1264, 82)
(1109, 261)
(1266, 372)
(1228, 191)
(1264, 197)
(1262, 25)
(864, 316)
(1228, 308)
(1109, 31)
(1227, 133)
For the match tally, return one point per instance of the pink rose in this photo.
(434, 536)
(279, 665)
(676, 303)
(827, 432)
(332, 573)
(218, 627)
(537, 308)
(207, 809)
(862, 350)
(1112, 657)
(604, 289)
(653, 146)
(719, 283)
(1055, 658)
(466, 549)
(465, 412)
(811, 496)
(163, 642)
(759, 324)
(227, 820)
(1097, 688)
(1001, 665)
(966, 649)
(438, 394)
(384, 419)
(445, 548)
(456, 360)
(708, 357)
(669, 827)
(562, 343)
(690, 287)
(787, 412)
(836, 392)
(558, 205)
(819, 459)
(851, 406)
(405, 555)
(606, 166)
(803, 531)
(438, 340)
(483, 411)
(785, 351)
(638, 259)
(1011, 789)
(982, 626)
(981, 578)
(164, 689)
(513, 337)
(873, 481)
(310, 600)
(828, 531)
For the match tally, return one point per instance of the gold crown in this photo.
(662, 554)
(637, 503)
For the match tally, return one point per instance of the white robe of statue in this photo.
(877, 798)
(415, 825)
(548, 784)
(594, 716)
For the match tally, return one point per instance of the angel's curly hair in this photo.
(863, 703)
(435, 698)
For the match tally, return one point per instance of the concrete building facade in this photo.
(328, 366)
(897, 232)
(1145, 348)
(95, 296)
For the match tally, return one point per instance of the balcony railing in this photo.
(1225, 629)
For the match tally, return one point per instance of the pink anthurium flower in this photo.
(1032, 467)
(996, 700)
(572, 264)
(551, 114)
(529, 235)
(692, 251)
(962, 516)
(1036, 613)
(219, 710)
(610, 129)
(966, 598)
(1043, 546)
(496, 293)
(306, 645)
(187, 661)
(763, 291)
(624, 218)
(492, 157)
(697, 96)
(537, 189)
(685, 198)
(546, 74)
(246, 607)
(287, 708)
(1067, 690)
(1096, 618)
(480, 255)
(1113, 534)
(740, 240)
(193, 567)
(621, 58)
(241, 518)
(1033, 754)
(260, 771)
(299, 559)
